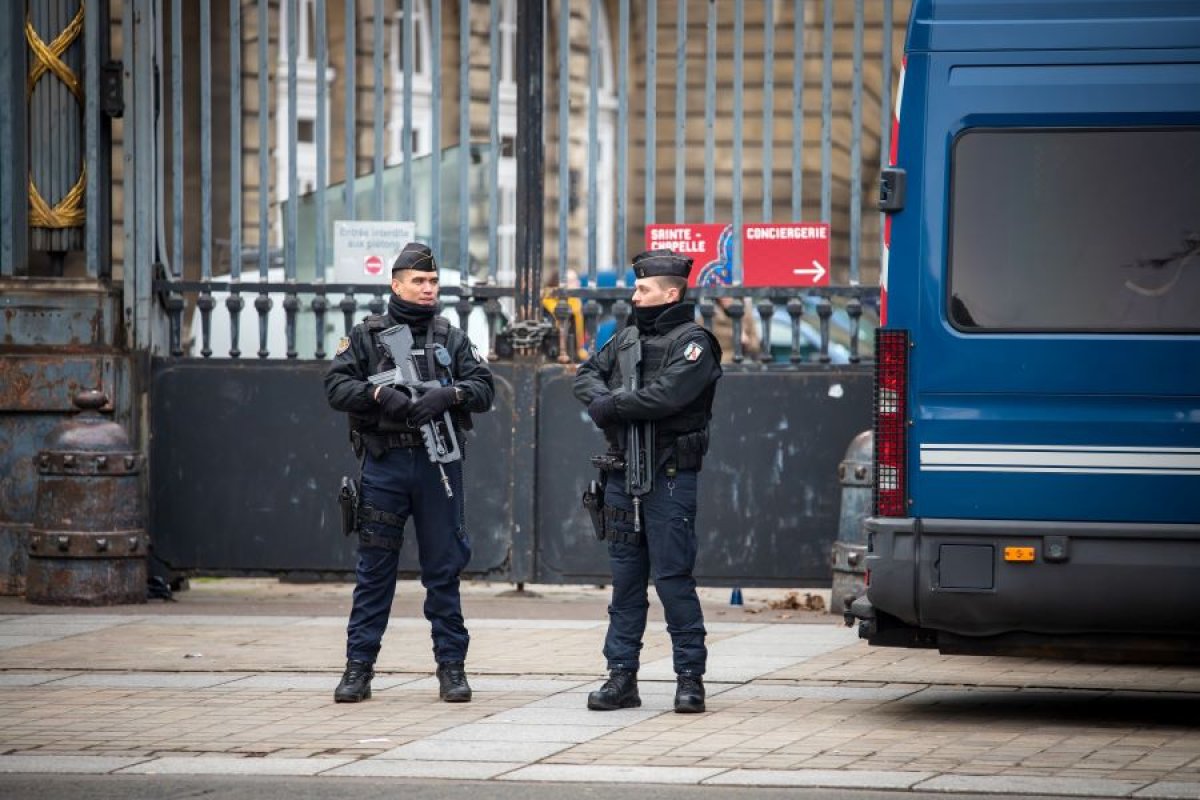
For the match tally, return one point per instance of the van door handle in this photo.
(891, 189)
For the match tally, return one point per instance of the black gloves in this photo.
(432, 404)
(393, 403)
(603, 411)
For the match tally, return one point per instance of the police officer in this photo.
(399, 480)
(679, 368)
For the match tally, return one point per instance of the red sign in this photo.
(785, 254)
(373, 265)
(706, 244)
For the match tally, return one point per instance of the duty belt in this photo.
(399, 439)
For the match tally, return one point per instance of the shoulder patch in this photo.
(693, 351)
(343, 345)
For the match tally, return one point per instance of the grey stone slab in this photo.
(732, 627)
(1030, 785)
(880, 694)
(523, 685)
(536, 624)
(10, 642)
(232, 765)
(512, 732)
(582, 716)
(83, 765)
(319, 682)
(32, 678)
(451, 770)
(586, 773)
(1170, 790)
(151, 680)
(89, 621)
(444, 750)
(226, 620)
(829, 778)
(722, 668)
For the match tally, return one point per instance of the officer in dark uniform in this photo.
(398, 478)
(680, 366)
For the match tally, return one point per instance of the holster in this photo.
(593, 501)
(348, 501)
(690, 449)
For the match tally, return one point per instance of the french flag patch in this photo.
(693, 351)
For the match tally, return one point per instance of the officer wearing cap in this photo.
(655, 536)
(399, 480)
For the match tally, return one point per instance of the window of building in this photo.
(1075, 230)
(422, 82)
(306, 101)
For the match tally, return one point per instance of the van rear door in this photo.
(1056, 366)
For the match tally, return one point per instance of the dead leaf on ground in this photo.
(794, 600)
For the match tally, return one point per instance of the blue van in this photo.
(1037, 419)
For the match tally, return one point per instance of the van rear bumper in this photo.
(958, 577)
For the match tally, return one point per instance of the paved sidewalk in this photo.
(205, 687)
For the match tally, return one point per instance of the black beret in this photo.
(664, 263)
(415, 256)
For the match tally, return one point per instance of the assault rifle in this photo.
(441, 443)
(639, 438)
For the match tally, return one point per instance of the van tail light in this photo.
(891, 415)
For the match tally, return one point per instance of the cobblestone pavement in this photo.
(234, 691)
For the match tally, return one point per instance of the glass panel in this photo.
(1076, 230)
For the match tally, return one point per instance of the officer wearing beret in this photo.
(679, 369)
(399, 480)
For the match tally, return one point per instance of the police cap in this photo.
(661, 263)
(415, 256)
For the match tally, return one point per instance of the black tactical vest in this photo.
(656, 351)
(437, 333)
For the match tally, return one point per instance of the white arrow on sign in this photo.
(817, 271)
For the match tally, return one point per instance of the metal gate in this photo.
(531, 144)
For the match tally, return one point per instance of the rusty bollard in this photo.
(88, 543)
(856, 474)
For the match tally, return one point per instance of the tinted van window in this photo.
(1075, 230)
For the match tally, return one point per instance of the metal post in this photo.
(739, 57)
(377, 72)
(205, 139)
(464, 137)
(593, 134)
(622, 137)
(827, 117)
(14, 203)
(798, 30)
(177, 256)
(710, 111)
(564, 137)
(319, 12)
(494, 141)
(681, 110)
(235, 138)
(406, 204)
(435, 142)
(350, 70)
(856, 145)
(768, 153)
(530, 155)
(651, 110)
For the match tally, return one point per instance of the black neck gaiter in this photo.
(414, 315)
(646, 317)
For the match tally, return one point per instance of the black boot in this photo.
(452, 683)
(689, 694)
(356, 683)
(619, 691)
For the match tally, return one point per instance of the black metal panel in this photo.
(247, 458)
(769, 492)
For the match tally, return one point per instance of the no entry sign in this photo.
(785, 254)
(707, 244)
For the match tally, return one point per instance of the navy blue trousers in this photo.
(405, 483)
(666, 553)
